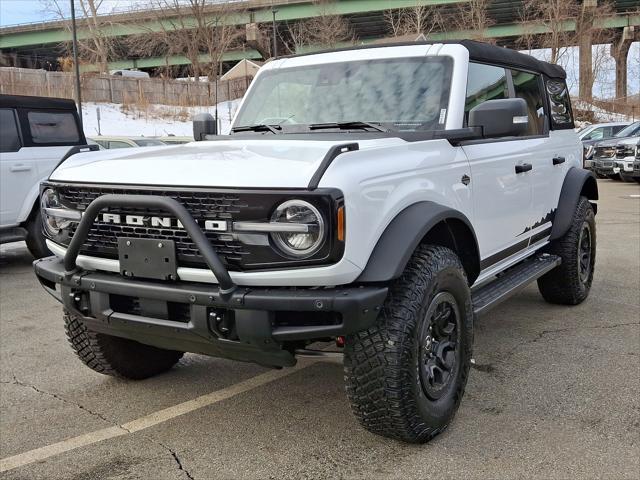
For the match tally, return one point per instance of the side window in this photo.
(527, 86)
(597, 134)
(561, 116)
(117, 144)
(53, 127)
(484, 82)
(9, 138)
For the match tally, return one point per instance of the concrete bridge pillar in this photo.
(585, 28)
(620, 51)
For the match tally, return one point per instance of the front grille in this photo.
(623, 152)
(102, 240)
(605, 164)
(605, 152)
(238, 251)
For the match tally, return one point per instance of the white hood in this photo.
(224, 163)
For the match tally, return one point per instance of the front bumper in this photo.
(625, 166)
(605, 167)
(260, 323)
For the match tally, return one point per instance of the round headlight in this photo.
(52, 225)
(304, 243)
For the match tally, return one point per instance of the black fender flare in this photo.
(405, 232)
(577, 182)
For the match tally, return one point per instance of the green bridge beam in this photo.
(151, 62)
(496, 31)
(287, 10)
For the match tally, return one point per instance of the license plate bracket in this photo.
(147, 258)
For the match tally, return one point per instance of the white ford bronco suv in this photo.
(36, 135)
(378, 197)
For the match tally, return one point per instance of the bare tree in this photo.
(95, 46)
(553, 16)
(327, 29)
(201, 31)
(472, 16)
(299, 36)
(556, 17)
(414, 20)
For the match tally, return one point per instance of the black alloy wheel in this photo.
(438, 343)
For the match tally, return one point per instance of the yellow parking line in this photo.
(147, 421)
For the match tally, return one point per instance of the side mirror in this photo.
(204, 124)
(501, 118)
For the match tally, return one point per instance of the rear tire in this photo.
(35, 238)
(405, 376)
(570, 283)
(115, 356)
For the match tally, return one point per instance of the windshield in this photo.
(629, 130)
(148, 142)
(405, 93)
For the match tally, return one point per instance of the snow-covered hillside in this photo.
(153, 121)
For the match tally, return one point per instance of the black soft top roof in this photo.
(479, 52)
(25, 101)
(487, 53)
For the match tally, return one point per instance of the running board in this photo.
(511, 281)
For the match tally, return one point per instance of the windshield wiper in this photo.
(348, 125)
(275, 129)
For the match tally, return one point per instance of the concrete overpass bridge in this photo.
(40, 44)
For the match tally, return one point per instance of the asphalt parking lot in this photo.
(555, 393)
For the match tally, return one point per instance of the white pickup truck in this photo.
(379, 197)
(36, 135)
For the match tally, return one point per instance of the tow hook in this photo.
(80, 301)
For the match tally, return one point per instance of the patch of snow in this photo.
(152, 121)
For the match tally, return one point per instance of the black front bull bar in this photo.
(259, 334)
(150, 201)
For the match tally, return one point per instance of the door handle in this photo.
(525, 167)
(558, 160)
(20, 167)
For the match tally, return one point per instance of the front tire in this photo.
(35, 238)
(115, 356)
(626, 178)
(405, 376)
(570, 282)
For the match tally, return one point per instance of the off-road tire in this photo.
(626, 178)
(35, 238)
(566, 284)
(382, 365)
(115, 356)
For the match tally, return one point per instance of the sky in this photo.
(20, 11)
(24, 11)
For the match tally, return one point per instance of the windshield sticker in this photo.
(443, 115)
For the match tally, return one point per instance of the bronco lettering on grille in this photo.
(159, 222)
